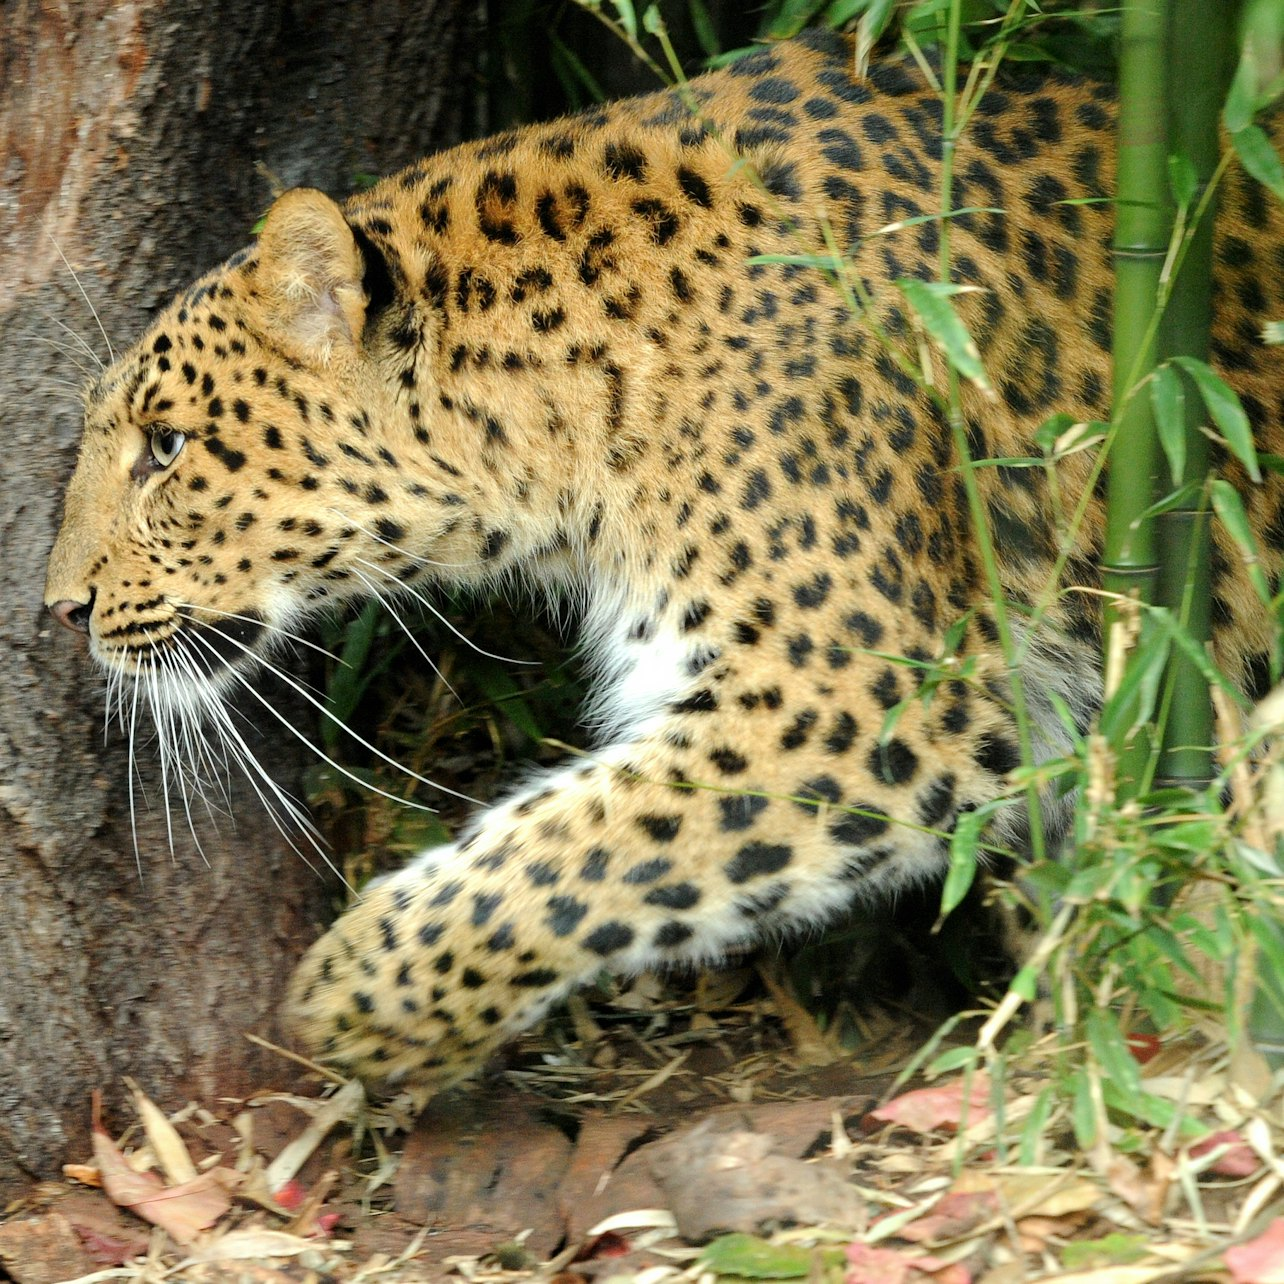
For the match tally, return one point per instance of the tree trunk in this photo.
(141, 140)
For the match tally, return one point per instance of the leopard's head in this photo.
(239, 463)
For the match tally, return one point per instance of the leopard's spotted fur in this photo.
(566, 353)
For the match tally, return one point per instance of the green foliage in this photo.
(748, 1257)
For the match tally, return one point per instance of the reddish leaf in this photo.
(607, 1244)
(945, 1106)
(954, 1216)
(290, 1196)
(1239, 1161)
(184, 1211)
(1261, 1260)
(1144, 1047)
(108, 1249)
(870, 1265)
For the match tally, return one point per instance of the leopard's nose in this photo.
(72, 615)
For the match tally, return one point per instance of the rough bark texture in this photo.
(142, 140)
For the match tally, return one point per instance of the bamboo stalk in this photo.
(1130, 560)
(1198, 53)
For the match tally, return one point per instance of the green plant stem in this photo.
(1130, 563)
(1199, 46)
(951, 128)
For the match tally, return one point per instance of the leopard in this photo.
(656, 361)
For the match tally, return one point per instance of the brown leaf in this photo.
(871, 1265)
(1240, 1160)
(946, 1106)
(1143, 1193)
(956, 1215)
(182, 1211)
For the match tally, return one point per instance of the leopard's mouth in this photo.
(197, 644)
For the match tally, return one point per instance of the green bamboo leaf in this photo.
(822, 262)
(931, 300)
(1009, 461)
(1111, 1052)
(1066, 717)
(1237, 114)
(752, 1258)
(499, 688)
(963, 860)
(1035, 1127)
(1026, 983)
(1229, 507)
(1228, 414)
(792, 17)
(1258, 156)
(1133, 702)
(627, 16)
(1148, 1108)
(875, 13)
(1050, 431)
(1115, 1249)
(1174, 499)
(1195, 651)
(953, 1059)
(900, 224)
(1183, 181)
(1082, 1113)
(702, 25)
(1169, 405)
(350, 679)
(573, 77)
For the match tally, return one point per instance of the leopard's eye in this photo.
(166, 445)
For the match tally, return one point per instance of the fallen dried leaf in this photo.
(1261, 1260)
(1143, 1193)
(1036, 1234)
(344, 1105)
(958, 1214)
(241, 1244)
(1239, 1159)
(1144, 1047)
(869, 1265)
(108, 1249)
(166, 1144)
(1035, 1194)
(182, 1211)
(949, 1106)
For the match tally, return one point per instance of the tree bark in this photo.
(141, 140)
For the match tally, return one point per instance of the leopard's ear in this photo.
(309, 277)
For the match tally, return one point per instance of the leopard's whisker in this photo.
(63, 389)
(85, 346)
(185, 750)
(132, 772)
(164, 735)
(411, 591)
(406, 629)
(93, 311)
(68, 352)
(271, 795)
(322, 708)
(296, 638)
